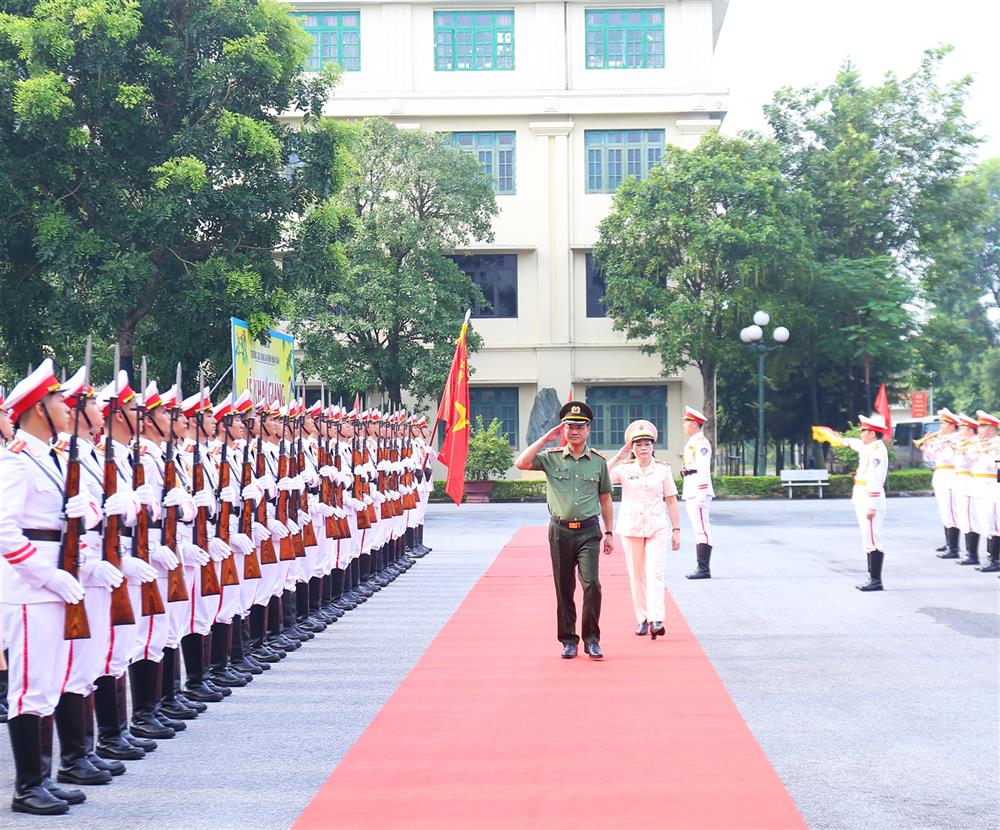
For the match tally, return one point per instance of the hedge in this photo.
(900, 481)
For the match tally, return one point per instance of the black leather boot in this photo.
(704, 557)
(169, 704)
(114, 767)
(74, 768)
(971, 549)
(3, 691)
(239, 658)
(111, 744)
(145, 683)
(339, 599)
(943, 547)
(179, 695)
(289, 609)
(303, 618)
(276, 625)
(874, 583)
(420, 541)
(30, 796)
(993, 549)
(953, 534)
(221, 673)
(46, 727)
(261, 651)
(326, 603)
(194, 665)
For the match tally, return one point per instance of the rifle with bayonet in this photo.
(308, 531)
(251, 566)
(228, 571)
(268, 555)
(121, 605)
(152, 601)
(176, 586)
(76, 626)
(286, 548)
(359, 487)
(209, 581)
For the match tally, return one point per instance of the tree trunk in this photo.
(708, 373)
(126, 348)
(817, 450)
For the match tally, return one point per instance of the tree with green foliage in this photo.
(144, 173)
(391, 319)
(687, 251)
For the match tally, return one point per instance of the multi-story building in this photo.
(559, 101)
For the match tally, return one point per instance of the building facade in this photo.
(559, 101)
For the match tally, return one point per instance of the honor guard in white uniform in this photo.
(698, 492)
(965, 454)
(868, 495)
(986, 487)
(938, 448)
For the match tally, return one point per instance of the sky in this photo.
(767, 44)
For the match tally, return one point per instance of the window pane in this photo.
(596, 288)
(624, 39)
(496, 277)
(623, 404)
(496, 402)
(484, 40)
(497, 164)
(336, 39)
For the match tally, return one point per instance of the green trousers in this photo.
(573, 550)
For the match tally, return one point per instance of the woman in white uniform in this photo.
(648, 496)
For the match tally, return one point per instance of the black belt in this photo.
(122, 530)
(576, 524)
(43, 535)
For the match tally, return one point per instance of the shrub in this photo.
(490, 455)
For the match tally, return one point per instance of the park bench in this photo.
(805, 478)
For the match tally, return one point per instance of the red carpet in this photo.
(492, 729)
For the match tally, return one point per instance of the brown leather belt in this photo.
(576, 524)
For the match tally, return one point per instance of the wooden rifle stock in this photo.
(209, 581)
(121, 605)
(268, 555)
(366, 456)
(76, 627)
(251, 567)
(229, 573)
(293, 503)
(152, 600)
(308, 531)
(176, 586)
(364, 521)
(286, 551)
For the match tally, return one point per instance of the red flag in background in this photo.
(562, 438)
(454, 411)
(882, 408)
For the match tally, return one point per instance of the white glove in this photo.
(102, 573)
(163, 556)
(178, 497)
(145, 495)
(65, 586)
(324, 510)
(229, 494)
(241, 543)
(266, 481)
(218, 549)
(260, 533)
(310, 477)
(137, 570)
(120, 504)
(81, 506)
(278, 530)
(252, 491)
(203, 498)
(287, 484)
(292, 527)
(193, 555)
(328, 472)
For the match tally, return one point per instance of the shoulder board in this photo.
(61, 445)
(660, 461)
(554, 449)
(143, 449)
(599, 453)
(17, 446)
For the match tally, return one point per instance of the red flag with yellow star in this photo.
(454, 411)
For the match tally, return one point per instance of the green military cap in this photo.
(576, 412)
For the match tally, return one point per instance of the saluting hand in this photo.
(624, 452)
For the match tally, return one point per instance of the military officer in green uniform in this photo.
(579, 497)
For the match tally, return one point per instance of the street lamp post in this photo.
(753, 337)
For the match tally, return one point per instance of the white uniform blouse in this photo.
(643, 511)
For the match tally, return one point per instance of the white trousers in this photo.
(37, 656)
(944, 494)
(698, 511)
(870, 528)
(645, 558)
(987, 518)
(86, 658)
(152, 631)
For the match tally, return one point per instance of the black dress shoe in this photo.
(114, 767)
(593, 650)
(167, 721)
(38, 801)
(184, 700)
(642, 629)
(68, 795)
(656, 629)
(200, 693)
(83, 774)
(569, 651)
(174, 710)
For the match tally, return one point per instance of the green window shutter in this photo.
(336, 39)
(615, 407)
(612, 155)
(495, 152)
(471, 41)
(624, 38)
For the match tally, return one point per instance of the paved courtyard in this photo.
(877, 711)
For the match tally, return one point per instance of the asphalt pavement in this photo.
(877, 710)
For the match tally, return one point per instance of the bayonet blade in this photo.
(142, 381)
(179, 398)
(86, 364)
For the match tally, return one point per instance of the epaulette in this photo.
(554, 449)
(61, 445)
(598, 452)
(661, 461)
(142, 450)
(17, 446)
